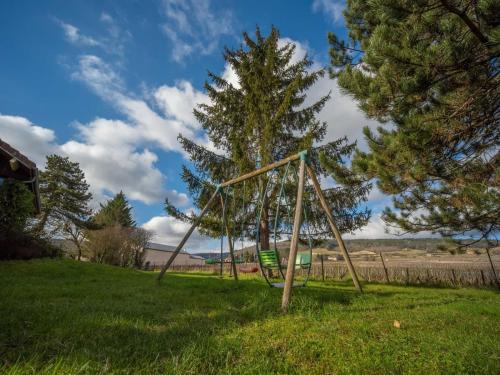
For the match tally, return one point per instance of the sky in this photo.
(111, 84)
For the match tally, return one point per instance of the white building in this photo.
(159, 254)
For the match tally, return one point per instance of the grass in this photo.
(61, 316)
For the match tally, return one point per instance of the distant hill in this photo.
(376, 245)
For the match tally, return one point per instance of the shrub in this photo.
(117, 245)
(16, 207)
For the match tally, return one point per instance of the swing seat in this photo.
(303, 260)
(249, 269)
(269, 259)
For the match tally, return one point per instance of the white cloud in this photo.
(144, 123)
(178, 101)
(332, 8)
(192, 26)
(112, 42)
(106, 154)
(168, 230)
(74, 36)
(341, 113)
(300, 49)
(230, 76)
(376, 229)
(31, 140)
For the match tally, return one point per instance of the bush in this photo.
(117, 245)
(24, 246)
(16, 207)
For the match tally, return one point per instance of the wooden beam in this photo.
(334, 228)
(261, 170)
(229, 240)
(292, 256)
(187, 235)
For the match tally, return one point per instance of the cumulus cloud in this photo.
(169, 230)
(191, 25)
(331, 8)
(178, 101)
(376, 229)
(34, 141)
(144, 123)
(106, 155)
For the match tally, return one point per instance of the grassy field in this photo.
(60, 316)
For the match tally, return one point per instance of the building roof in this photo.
(196, 256)
(17, 166)
(160, 247)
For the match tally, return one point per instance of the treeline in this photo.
(106, 235)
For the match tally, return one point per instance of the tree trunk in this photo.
(264, 226)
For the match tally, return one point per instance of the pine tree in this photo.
(115, 212)
(64, 196)
(259, 120)
(430, 70)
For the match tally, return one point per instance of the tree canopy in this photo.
(255, 121)
(64, 195)
(429, 70)
(115, 212)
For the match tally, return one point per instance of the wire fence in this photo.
(453, 275)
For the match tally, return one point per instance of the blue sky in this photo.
(111, 83)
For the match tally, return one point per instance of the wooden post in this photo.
(322, 268)
(229, 240)
(187, 235)
(482, 278)
(385, 268)
(454, 277)
(287, 290)
(493, 268)
(334, 228)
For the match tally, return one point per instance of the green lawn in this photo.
(67, 317)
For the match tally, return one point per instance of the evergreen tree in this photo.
(115, 212)
(256, 121)
(64, 196)
(430, 70)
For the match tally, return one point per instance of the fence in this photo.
(422, 274)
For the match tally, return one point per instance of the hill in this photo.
(66, 317)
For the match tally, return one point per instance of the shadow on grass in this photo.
(83, 313)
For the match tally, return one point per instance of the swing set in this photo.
(272, 264)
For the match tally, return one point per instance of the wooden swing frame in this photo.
(303, 167)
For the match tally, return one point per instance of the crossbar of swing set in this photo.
(257, 172)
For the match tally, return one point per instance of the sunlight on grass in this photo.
(69, 317)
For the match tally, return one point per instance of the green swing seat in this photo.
(269, 259)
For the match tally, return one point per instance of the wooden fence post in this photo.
(322, 268)
(385, 268)
(454, 277)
